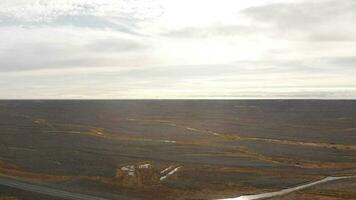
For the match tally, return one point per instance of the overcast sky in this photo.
(177, 49)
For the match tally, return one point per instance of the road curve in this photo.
(46, 190)
(287, 191)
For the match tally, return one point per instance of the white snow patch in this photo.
(74, 132)
(165, 141)
(169, 141)
(130, 169)
(287, 191)
(145, 166)
(214, 133)
(191, 129)
(167, 169)
(170, 173)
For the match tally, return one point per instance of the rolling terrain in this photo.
(177, 149)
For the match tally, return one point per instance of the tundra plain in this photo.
(178, 149)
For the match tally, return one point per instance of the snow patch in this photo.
(191, 129)
(145, 166)
(167, 169)
(75, 132)
(169, 141)
(165, 141)
(130, 169)
(214, 133)
(170, 173)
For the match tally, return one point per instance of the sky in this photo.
(133, 49)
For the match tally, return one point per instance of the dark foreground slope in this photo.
(201, 149)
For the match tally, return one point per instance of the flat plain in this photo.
(177, 149)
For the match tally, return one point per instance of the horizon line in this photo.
(160, 99)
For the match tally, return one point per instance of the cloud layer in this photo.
(177, 49)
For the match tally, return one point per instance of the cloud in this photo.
(116, 45)
(321, 20)
(343, 62)
(167, 48)
(212, 31)
(303, 14)
(120, 15)
(264, 79)
(67, 48)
